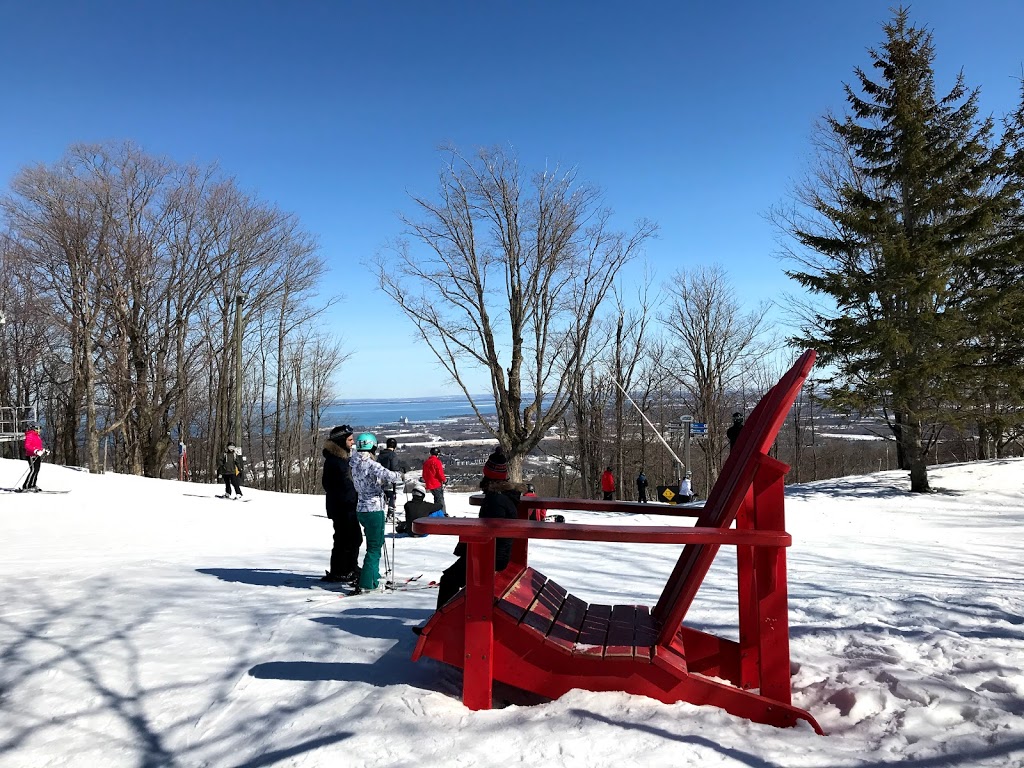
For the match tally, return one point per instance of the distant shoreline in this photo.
(373, 412)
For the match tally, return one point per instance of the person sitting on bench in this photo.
(417, 507)
(500, 499)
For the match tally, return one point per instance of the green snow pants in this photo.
(373, 529)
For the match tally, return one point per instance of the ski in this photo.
(410, 580)
(215, 496)
(412, 587)
(19, 490)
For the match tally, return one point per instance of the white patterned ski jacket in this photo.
(369, 478)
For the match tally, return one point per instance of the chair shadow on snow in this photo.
(393, 667)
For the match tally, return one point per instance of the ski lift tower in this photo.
(13, 418)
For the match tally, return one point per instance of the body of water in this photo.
(373, 412)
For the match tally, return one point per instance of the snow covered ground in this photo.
(145, 623)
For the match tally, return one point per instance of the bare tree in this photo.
(58, 221)
(717, 351)
(134, 264)
(509, 275)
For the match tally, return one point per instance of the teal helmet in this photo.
(366, 441)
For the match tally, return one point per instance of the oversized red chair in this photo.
(521, 628)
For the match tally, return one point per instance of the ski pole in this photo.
(388, 574)
(394, 566)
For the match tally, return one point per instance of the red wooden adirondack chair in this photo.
(521, 628)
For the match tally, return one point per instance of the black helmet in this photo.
(435, 451)
(392, 443)
(340, 432)
(737, 416)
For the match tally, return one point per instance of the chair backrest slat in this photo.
(724, 501)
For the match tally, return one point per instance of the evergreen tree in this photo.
(907, 194)
(997, 311)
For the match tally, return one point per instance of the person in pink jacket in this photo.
(34, 455)
(433, 477)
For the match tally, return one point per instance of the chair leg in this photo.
(478, 671)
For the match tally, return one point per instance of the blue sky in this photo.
(695, 115)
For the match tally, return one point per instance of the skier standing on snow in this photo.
(389, 460)
(641, 487)
(341, 502)
(34, 452)
(433, 477)
(230, 467)
(733, 432)
(370, 478)
(608, 484)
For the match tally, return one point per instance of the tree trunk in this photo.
(515, 467)
(915, 456)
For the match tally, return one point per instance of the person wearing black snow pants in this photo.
(230, 468)
(34, 455)
(341, 501)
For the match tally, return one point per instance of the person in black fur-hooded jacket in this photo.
(500, 500)
(341, 506)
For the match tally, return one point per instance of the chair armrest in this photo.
(554, 504)
(473, 529)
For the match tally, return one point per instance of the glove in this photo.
(38, 452)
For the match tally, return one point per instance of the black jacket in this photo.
(733, 432)
(389, 460)
(417, 508)
(500, 500)
(337, 481)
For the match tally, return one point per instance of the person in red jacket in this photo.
(433, 477)
(34, 454)
(608, 484)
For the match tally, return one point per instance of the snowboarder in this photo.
(536, 513)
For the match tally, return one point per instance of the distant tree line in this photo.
(120, 273)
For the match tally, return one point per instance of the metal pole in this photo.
(238, 369)
(686, 451)
(644, 417)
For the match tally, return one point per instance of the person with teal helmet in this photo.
(370, 480)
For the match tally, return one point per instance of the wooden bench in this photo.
(522, 628)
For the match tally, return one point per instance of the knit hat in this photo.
(496, 467)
